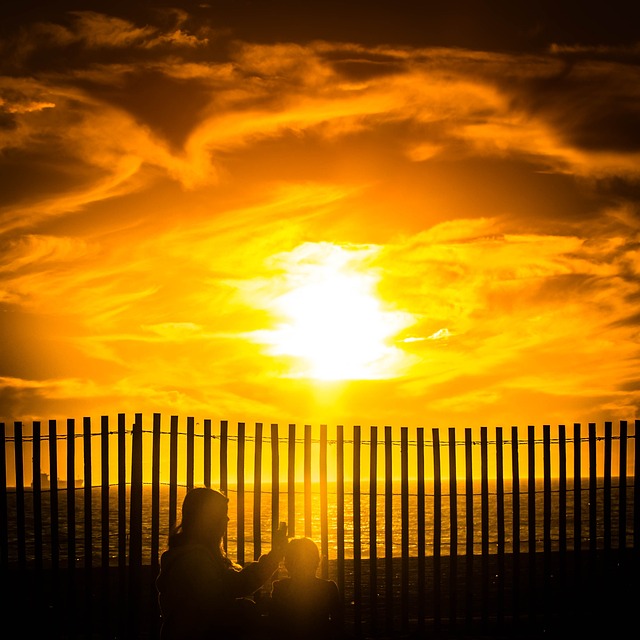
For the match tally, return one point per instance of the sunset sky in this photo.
(337, 212)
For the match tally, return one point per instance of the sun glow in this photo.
(335, 326)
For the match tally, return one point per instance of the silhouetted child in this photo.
(303, 606)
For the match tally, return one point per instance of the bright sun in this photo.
(334, 324)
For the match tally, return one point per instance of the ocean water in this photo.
(307, 521)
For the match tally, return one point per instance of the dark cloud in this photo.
(592, 105)
(482, 24)
(171, 107)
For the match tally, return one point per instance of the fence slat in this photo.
(37, 498)
(593, 496)
(4, 506)
(577, 499)
(71, 519)
(373, 517)
(469, 523)
(275, 479)
(607, 490)
(135, 526)
(291, 479)
(54, 508)
(206, 454)
(257, 492)
(636, 488)
(531, 520)
(562, 504)
(388, 529)
(404, 511)
(240, 492)
(421, 523)
(515, 505)
(622, 490)
(453, 530)
(190, 452)
(357, 540)
(88, 521)
(20, 503)
(437, 531)
(307, 482)
(324, 510)
(484, 511)
(224, 449)
(547, 511)
(173, 472)
(155, 490)
(500, 529)
(340, 506)
(105, 508)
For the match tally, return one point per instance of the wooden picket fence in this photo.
(422, 530)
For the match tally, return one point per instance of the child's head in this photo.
(301, 557)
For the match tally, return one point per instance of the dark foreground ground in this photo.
(522, 597)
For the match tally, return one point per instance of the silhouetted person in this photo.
(303, 606)
(201, 592)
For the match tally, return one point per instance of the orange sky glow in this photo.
(201, 218)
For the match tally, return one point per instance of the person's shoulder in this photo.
(281, 584)
(328, 589)
(327, 583)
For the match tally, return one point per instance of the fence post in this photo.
(469, 551)
(275, 479)
(291, 480)
(206, 453)
(531, 517)
(105, 507)
(421, 522)
(37, 500)
(4, 519)
(636, 492)
(622, 492)
(500, 524)
(257, 492)
(340, 505)
(190, 452)
(324, 520)
(484, 508)
(593, 500)
(307, 481)
(546, 519)
(404, 509)
(388, 528)
(357, 541)
(437, 531)
(71, 521)
(135, 528)
(373, 515)
(155, 493)
(562, 507)
(240, 492)
(173, 472)
(607, 493)
(515, 490)
(453, 530)
(88, 523)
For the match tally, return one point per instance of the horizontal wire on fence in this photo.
(301, 441)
